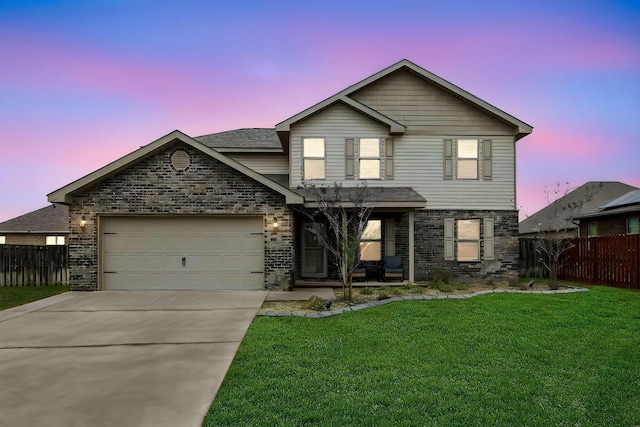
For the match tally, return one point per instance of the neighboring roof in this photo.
(631, 198)
(523, 129)
(629, 202)
(50, 219)
(559, 215)
(382, 197)
(243, 140)
(64, 194)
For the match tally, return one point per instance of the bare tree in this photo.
(554, 240)
(346, 211)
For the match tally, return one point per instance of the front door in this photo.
(314, 252)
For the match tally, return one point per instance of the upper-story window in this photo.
(633, 225)
(468, 159)
(593, 229)
(369, 158)
(313, 153)
(369, 162)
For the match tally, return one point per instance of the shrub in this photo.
(442, 286)
(390, 290)
(382, 295)
(413, 288)
(440, 274)
(366, 291)
(316, 303)
(462, 286)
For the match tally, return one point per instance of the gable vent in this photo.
(180, 160)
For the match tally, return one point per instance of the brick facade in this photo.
(614, 225)
(154, 187)
(429, 245)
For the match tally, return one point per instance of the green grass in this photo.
(14, 296)
(497, 359)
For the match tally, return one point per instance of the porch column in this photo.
(411, 249)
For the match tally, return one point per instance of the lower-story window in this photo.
(469, 240)
(54, 240)
(463, 239)
(371, 241)
(633, 225)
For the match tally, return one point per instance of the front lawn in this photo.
(497, 359)
(14, 296)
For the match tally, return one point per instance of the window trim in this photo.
(467, 240)
(365, 240)
(323, 158)
(476, 159)
(57, 240)
(361, 158)
(486, 239)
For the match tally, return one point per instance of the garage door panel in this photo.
(147, 253)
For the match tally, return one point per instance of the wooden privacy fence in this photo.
(22, 265)
(529, 263)
(607, 260)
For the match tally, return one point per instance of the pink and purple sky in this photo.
(84, 83)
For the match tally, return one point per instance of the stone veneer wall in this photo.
(429, 244)
(154, 187)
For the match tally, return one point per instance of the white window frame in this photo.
(314, 158)
(485, 242)
(470, 241)
(3, 240)
(364, 241)
(467, 158)
(54, 241)
(369, 158)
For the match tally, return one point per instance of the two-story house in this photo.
(224, 211)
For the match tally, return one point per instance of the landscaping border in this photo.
(357, 307)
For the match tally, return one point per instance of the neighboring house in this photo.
(618, 217)
(560, 217)
(46, 226)
(224, 211)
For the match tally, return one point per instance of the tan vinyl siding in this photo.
(417, 162)
(264, 163)
(424, 107)
(334, 124)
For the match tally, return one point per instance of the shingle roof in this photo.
(382, 196)
(629, 202)
(254, 139)
(50, 219)
(631, 198)
(587, 198)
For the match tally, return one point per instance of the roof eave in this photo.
(65, 194)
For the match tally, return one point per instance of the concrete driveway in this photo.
(119, 358)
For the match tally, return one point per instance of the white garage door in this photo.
(182, 253)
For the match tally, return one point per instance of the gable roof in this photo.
(64, 194)
(587, 198)
(252, 140)
(50, 219)
(395, 127)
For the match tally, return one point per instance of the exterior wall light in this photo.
(83, 222)
(276, 224)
